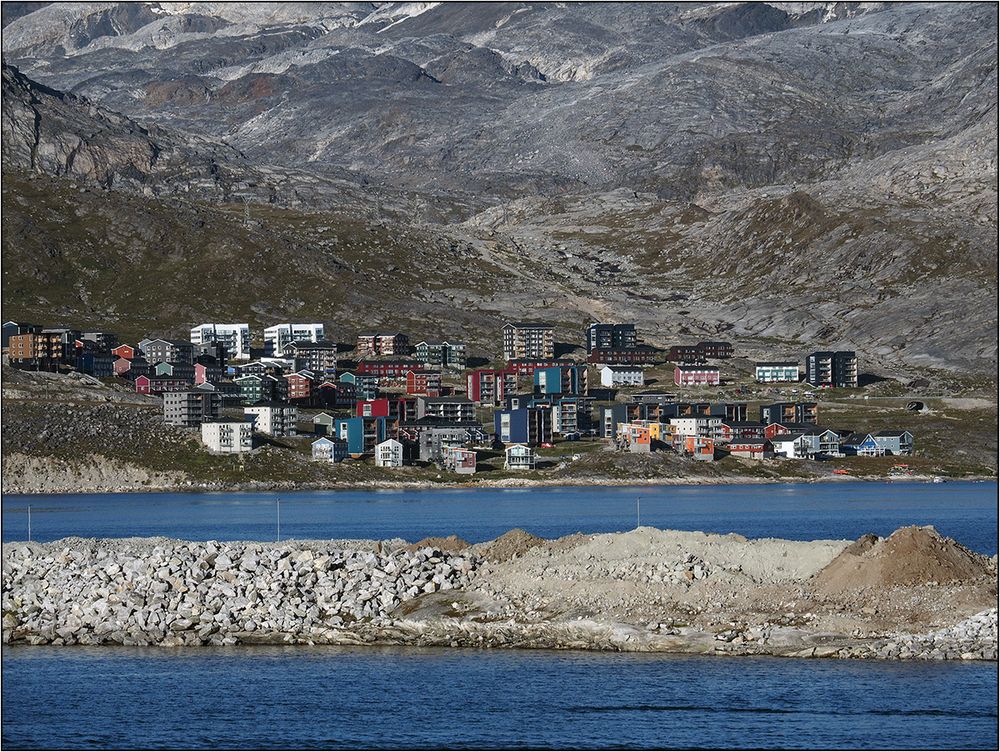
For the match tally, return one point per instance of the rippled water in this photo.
(409, 698)
(418, 698)
(965, 511)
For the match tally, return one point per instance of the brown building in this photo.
(528, 340)
(375, 345)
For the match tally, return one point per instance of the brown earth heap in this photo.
(910, 556)
(512, 543)
(451, 544)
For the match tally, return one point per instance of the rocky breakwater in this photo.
(169, 592)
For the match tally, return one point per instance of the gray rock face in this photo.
(699, 152)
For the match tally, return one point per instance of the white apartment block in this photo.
(278, 336)
(767, 373)
(622, 376)
(227, 435)
(389, 454)
(236, 338)
(706, 426)
(274, 418)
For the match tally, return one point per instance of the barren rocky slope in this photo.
(812, 173)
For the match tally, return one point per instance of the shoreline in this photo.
(506, 483)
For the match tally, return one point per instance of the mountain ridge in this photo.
(827, 182)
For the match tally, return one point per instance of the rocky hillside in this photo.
(801, 172)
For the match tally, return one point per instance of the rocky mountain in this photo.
(820, 173)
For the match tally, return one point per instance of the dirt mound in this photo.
(451, 544)
(512, 543)
(910, 556)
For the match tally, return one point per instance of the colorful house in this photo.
(561, 380)
(375, 408)
(460, 460)
(425, 383)
(696, 375)
(361, 434)
(862, 445)
(635, 437)
(776, 372)
(531, 426)
(751, 449)
(124, 351)
(519, 457)
(615, 376)
(389, 453)
(895, 442)
(490, 386)
(699, 447)
(160, 384)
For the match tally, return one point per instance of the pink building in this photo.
(690, 375)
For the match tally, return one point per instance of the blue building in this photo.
(361, 434)
(365, 384)
(526, 425)
(561, 380)
(862, 445)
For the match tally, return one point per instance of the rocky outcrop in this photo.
(164, 592)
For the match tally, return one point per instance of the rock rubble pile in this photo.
(974, 638)
(187, 593)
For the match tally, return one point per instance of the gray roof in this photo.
(782, 437)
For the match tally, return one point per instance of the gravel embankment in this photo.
(914, 595)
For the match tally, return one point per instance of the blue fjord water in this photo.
(966, 511)
(249, 697)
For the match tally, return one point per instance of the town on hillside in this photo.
(393, 403)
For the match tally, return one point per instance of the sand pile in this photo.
(512, 543)
(910, 556)
(451, 544)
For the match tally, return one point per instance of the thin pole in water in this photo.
(278, 504)
(637, 512)
(29, 523)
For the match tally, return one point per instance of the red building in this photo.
(527, 366)
(753, 449)
(732, 430)
(632, 356)
(691, 375)
(299, 386)
(207, 373)
(424, 383)
(388, 369)
(160, 384)
(490, 386)
(776, 429)
(376, 408)
(124, 351)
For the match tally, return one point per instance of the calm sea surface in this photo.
(413, 698)
(369, 697)
(965, 511)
